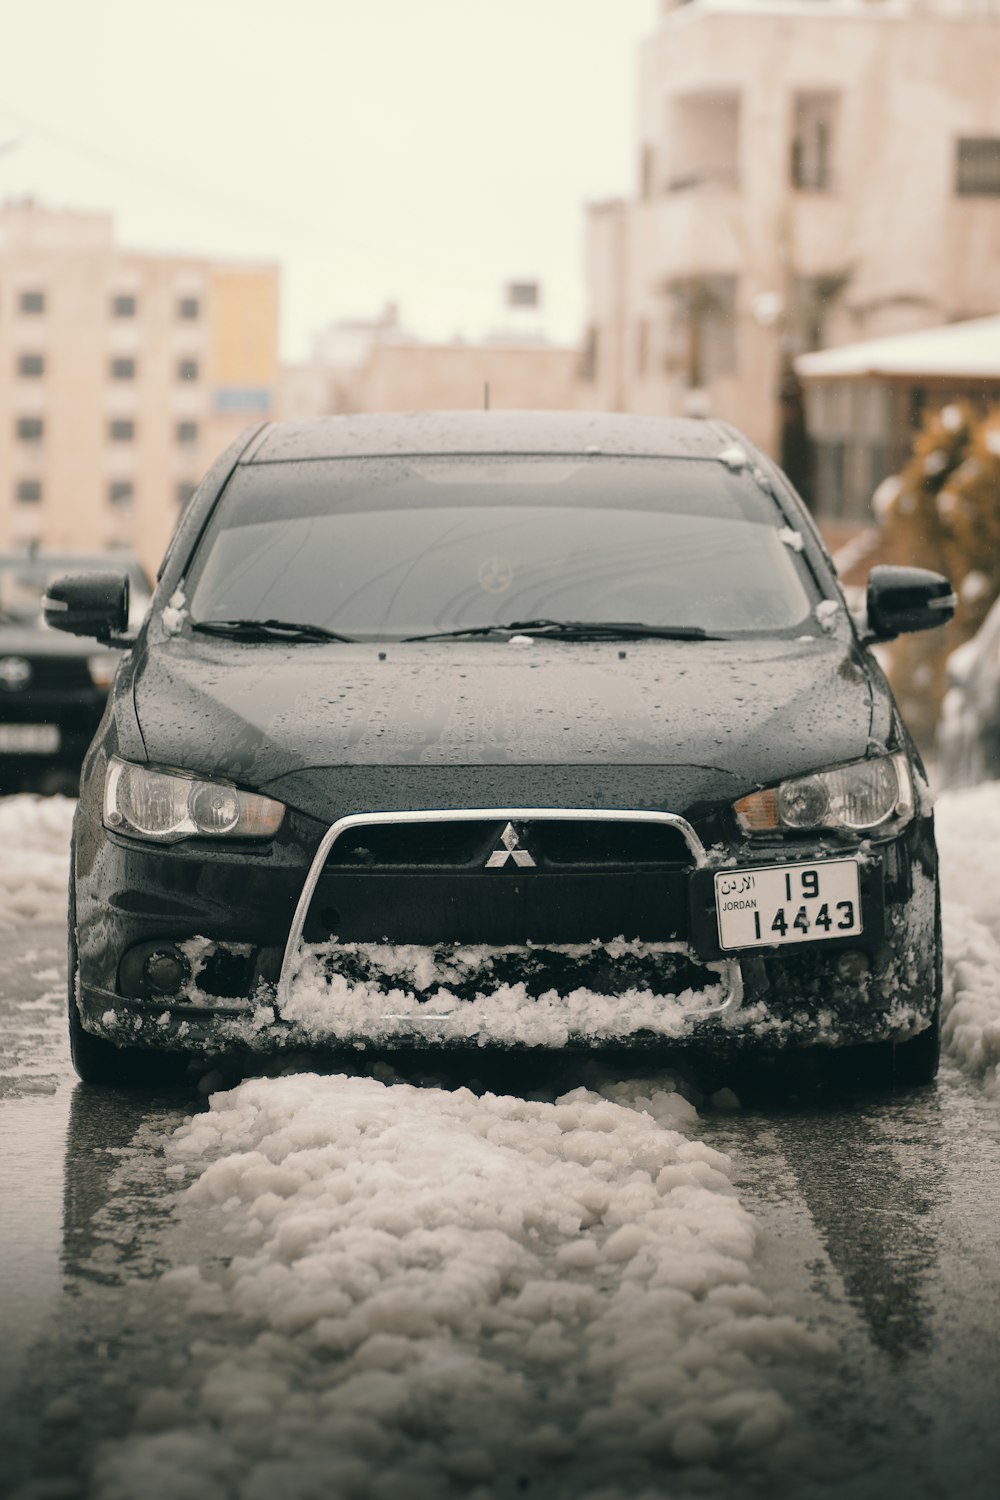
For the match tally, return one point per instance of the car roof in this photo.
(489, 432)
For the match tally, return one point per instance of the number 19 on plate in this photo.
(778, 904)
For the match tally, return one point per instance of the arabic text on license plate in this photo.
(788, 903)
(29, 739)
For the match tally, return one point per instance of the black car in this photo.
(501, 728)
(52, 690)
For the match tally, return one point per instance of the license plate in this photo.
(772, 904)
(29, 739)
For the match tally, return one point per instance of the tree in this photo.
(943, 512)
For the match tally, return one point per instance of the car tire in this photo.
(96, 1061)
(916, 1061)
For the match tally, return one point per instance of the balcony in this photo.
(821, 232)
(692, 233)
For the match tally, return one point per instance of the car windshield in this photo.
(23, 581)
(389, 548)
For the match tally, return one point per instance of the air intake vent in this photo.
(553, 844)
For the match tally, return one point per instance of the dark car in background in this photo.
(52, 689)
(496, 728)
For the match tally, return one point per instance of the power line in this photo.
(147, 176)
(210, 197)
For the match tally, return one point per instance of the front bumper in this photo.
(243, 913)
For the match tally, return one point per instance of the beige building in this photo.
(447, 377)
(376, 365)
(810, 174)
(122, 376)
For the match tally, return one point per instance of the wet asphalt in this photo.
(879, 1218)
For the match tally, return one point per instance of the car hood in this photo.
(750, 712)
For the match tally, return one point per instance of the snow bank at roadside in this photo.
(443, 1294)
(34, 869)
(968, 834)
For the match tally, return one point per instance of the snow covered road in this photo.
(332, 1285)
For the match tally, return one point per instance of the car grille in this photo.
(551, 843)
(544, 881)
(48, 674)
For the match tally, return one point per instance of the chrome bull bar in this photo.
(728, 967)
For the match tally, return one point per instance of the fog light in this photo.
(166, 971)
(853, 964)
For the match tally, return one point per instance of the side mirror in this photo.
(88, 604)
(905, 599)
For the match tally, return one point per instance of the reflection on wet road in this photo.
(874, 1207)
(34, 1108)
(879, 1218)
(882, 1220)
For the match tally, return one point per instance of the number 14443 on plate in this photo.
(771, 904)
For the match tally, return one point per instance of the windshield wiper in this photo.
(578, 630)
(268, 630)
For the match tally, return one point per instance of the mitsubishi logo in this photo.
(511, 850)
(14, 671)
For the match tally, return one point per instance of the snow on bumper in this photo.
(878, 985)
(792, 998)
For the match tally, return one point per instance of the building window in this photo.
(32, 366)
(30, 429)
(189, 308)
(32, 302)
(123, 305)
(184, 491)
(187, 432)
(590, 355)
(813, 299)
(29, 491)
(704, 328)
(121, 430)
(187, 369)
(523, 294)
(123, 369)
(977, 171)
(121, 493)
(814, 120)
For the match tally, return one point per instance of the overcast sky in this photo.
(422, 150)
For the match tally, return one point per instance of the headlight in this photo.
(102, 668)
(858, 797)
(168, 806)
